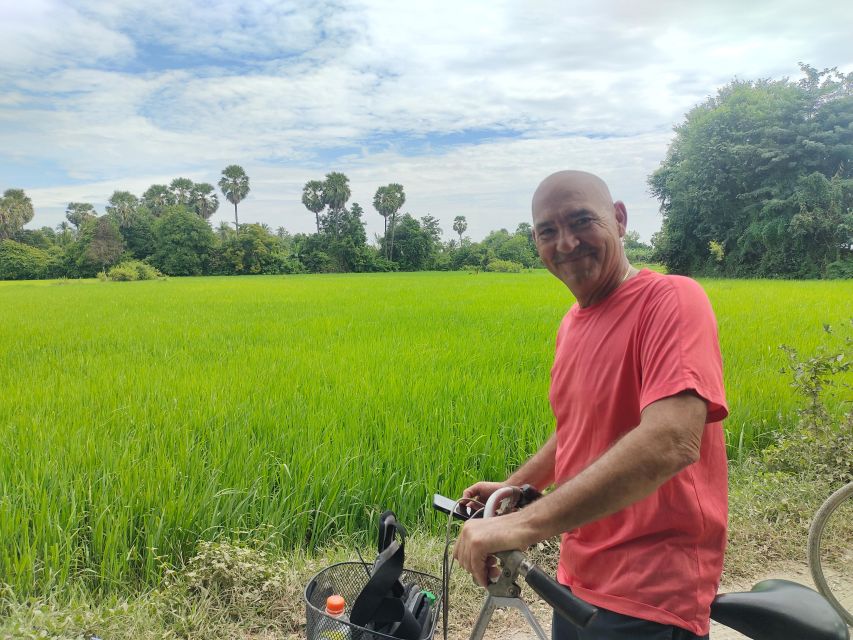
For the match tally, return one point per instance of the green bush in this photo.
(23, 262)
(132, 270)
(504, 266)
(840, 269)
(821, 446)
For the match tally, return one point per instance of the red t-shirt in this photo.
(659, 559)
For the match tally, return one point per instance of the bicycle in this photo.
(836, 511)
(772, 610)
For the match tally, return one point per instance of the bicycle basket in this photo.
(347, 579)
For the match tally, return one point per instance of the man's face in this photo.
(578, 231)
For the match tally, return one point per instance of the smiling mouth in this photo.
(572, 257)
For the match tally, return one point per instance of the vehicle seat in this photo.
(779, 610)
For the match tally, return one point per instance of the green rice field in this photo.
(138, 418)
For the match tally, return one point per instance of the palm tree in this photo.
(336, 192)
(182, 189)
(388, 201)
(157, 197)
(234, 184)
(122, 205)
(204, 200)
(65, 232)
(459, 226)
(312, 198)
(16, 210)
(223, 229)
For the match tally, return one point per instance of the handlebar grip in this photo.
(572, 608)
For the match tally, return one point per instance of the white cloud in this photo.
(109, 92)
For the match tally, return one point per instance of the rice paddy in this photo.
(139, 418)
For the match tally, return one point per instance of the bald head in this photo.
(571, 184)
(578, 232)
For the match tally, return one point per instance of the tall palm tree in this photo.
(182, 189)
(122, 205)
(223, 229)
(336, 192)
(16, 210)
(459, 226)
(157, 197)
(388, 201)
(204, 200)
(312, 198)
(234, 184)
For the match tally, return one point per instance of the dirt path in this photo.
(510, 625)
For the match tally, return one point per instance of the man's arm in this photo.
(666, 441)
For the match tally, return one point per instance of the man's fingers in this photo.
(492, 569)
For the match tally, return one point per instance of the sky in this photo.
(467, 104)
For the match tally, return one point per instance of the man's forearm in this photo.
(539, 468)
(631, 470)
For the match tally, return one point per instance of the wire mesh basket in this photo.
(347, 579)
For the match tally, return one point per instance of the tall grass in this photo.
(138, 418)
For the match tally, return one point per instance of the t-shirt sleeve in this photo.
(679, 348)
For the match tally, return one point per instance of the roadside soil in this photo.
(510, 625)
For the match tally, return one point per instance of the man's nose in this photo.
(566, 241)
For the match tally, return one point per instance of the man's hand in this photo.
(475, 496)
(480, 538)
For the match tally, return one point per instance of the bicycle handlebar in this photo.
(564, 602)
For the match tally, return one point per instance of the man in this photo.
(638, 455)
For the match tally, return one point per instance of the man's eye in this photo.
(581, 222)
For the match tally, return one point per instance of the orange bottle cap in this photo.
(335, 605)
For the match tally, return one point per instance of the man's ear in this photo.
(621, 216)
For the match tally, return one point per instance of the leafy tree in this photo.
(312, 198)
(414, 246)
(122, 205)
(22, 262)
(388, 200)
(460, 225)
(79, 212)
(16, 210)
(738, 169)
(635, 249)
(98, 245)
(44, 238)
(203, 200)
(157, 198)
(253, 250)
(234, 185)
(106, 243)
(183, 242)
(137, 232)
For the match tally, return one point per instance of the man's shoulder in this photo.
(681, 286)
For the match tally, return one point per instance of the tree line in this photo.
(167, 227)
(757, 181)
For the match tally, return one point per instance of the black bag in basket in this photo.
(386, 604)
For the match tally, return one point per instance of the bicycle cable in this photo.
(447, 560)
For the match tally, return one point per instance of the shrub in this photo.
(131, 270)
(840, 269)
(504, 266)
(23, 262)
(821, 446)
